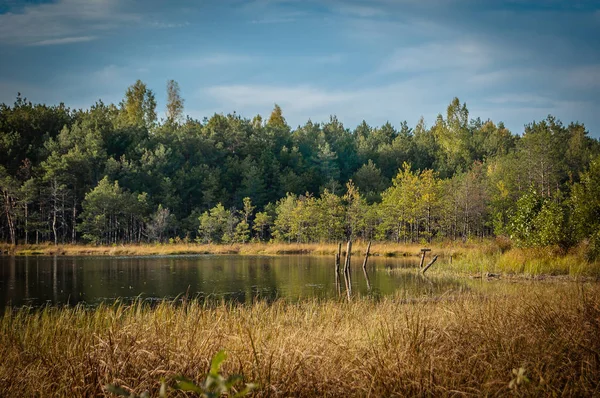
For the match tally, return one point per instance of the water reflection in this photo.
(70, 280)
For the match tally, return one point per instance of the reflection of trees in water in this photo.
(242, 279)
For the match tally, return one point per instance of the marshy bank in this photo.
(378, 249)
(542, 337)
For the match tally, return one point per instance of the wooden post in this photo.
(423, 252)
(430, 264)
(367, 279)
(348, 283)
(338, 284)
(338, 257)
(367, 256)
(348, 254)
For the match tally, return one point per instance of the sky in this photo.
(380, 60)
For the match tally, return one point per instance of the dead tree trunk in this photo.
(348, 255)
(367, 256)
(430, 264)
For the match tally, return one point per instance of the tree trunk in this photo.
(73, 234)
(26, 225)
(54, 227)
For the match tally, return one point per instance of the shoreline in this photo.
(321, 249)
(486, 258)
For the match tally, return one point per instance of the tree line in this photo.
(117, 174)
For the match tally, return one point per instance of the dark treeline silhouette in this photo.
(116, 174)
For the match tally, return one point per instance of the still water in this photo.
(41, 280)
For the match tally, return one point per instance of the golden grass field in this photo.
(461, 344)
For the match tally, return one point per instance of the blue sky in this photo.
(513, 61)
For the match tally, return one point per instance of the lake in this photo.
(41, 280)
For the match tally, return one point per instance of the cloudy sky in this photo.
(379, 60)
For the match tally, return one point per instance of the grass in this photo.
(530, 262)
(381, 249)
(542, 337)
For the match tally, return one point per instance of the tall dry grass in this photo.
(523, 261)
(273, 248)
(462, 345)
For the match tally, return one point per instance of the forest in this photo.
(115, 173)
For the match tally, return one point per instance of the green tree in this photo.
(9, 188)
(369, 180)
(537, 221)
(159, 223)
(276, 119)
(356, 209)
(111, 214)
(139, 106)
(284, 217)
(330, 218)
(242, 232)
(75, 163)
(262, 223)
(217, 225)
(174, 103)
(585, 201)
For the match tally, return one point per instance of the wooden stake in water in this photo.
(348, 254)
(338, 257)
(367, 256)
(338, 283)
(367, 279)
(430, 264)
(348, 281)
(423, 252)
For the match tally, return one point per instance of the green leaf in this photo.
(163, 389)
(118, 390)
(232, 380)
(249, 387)
(216, 362)
(185, 384)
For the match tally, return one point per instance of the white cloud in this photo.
(168, 25)
(64, 40)
(216, 59)
(522, 99)
(63, 20)
(585, 76)
(360, 10)
(273, 20)
(438, 56)
(497, 76)
(394, 102)
(295, 99)
(235, 59)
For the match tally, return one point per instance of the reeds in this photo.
(273, 248)
(523, 262)
(467, 344)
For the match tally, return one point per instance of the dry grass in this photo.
(463, 345)
(380, 249)
(525, 262)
